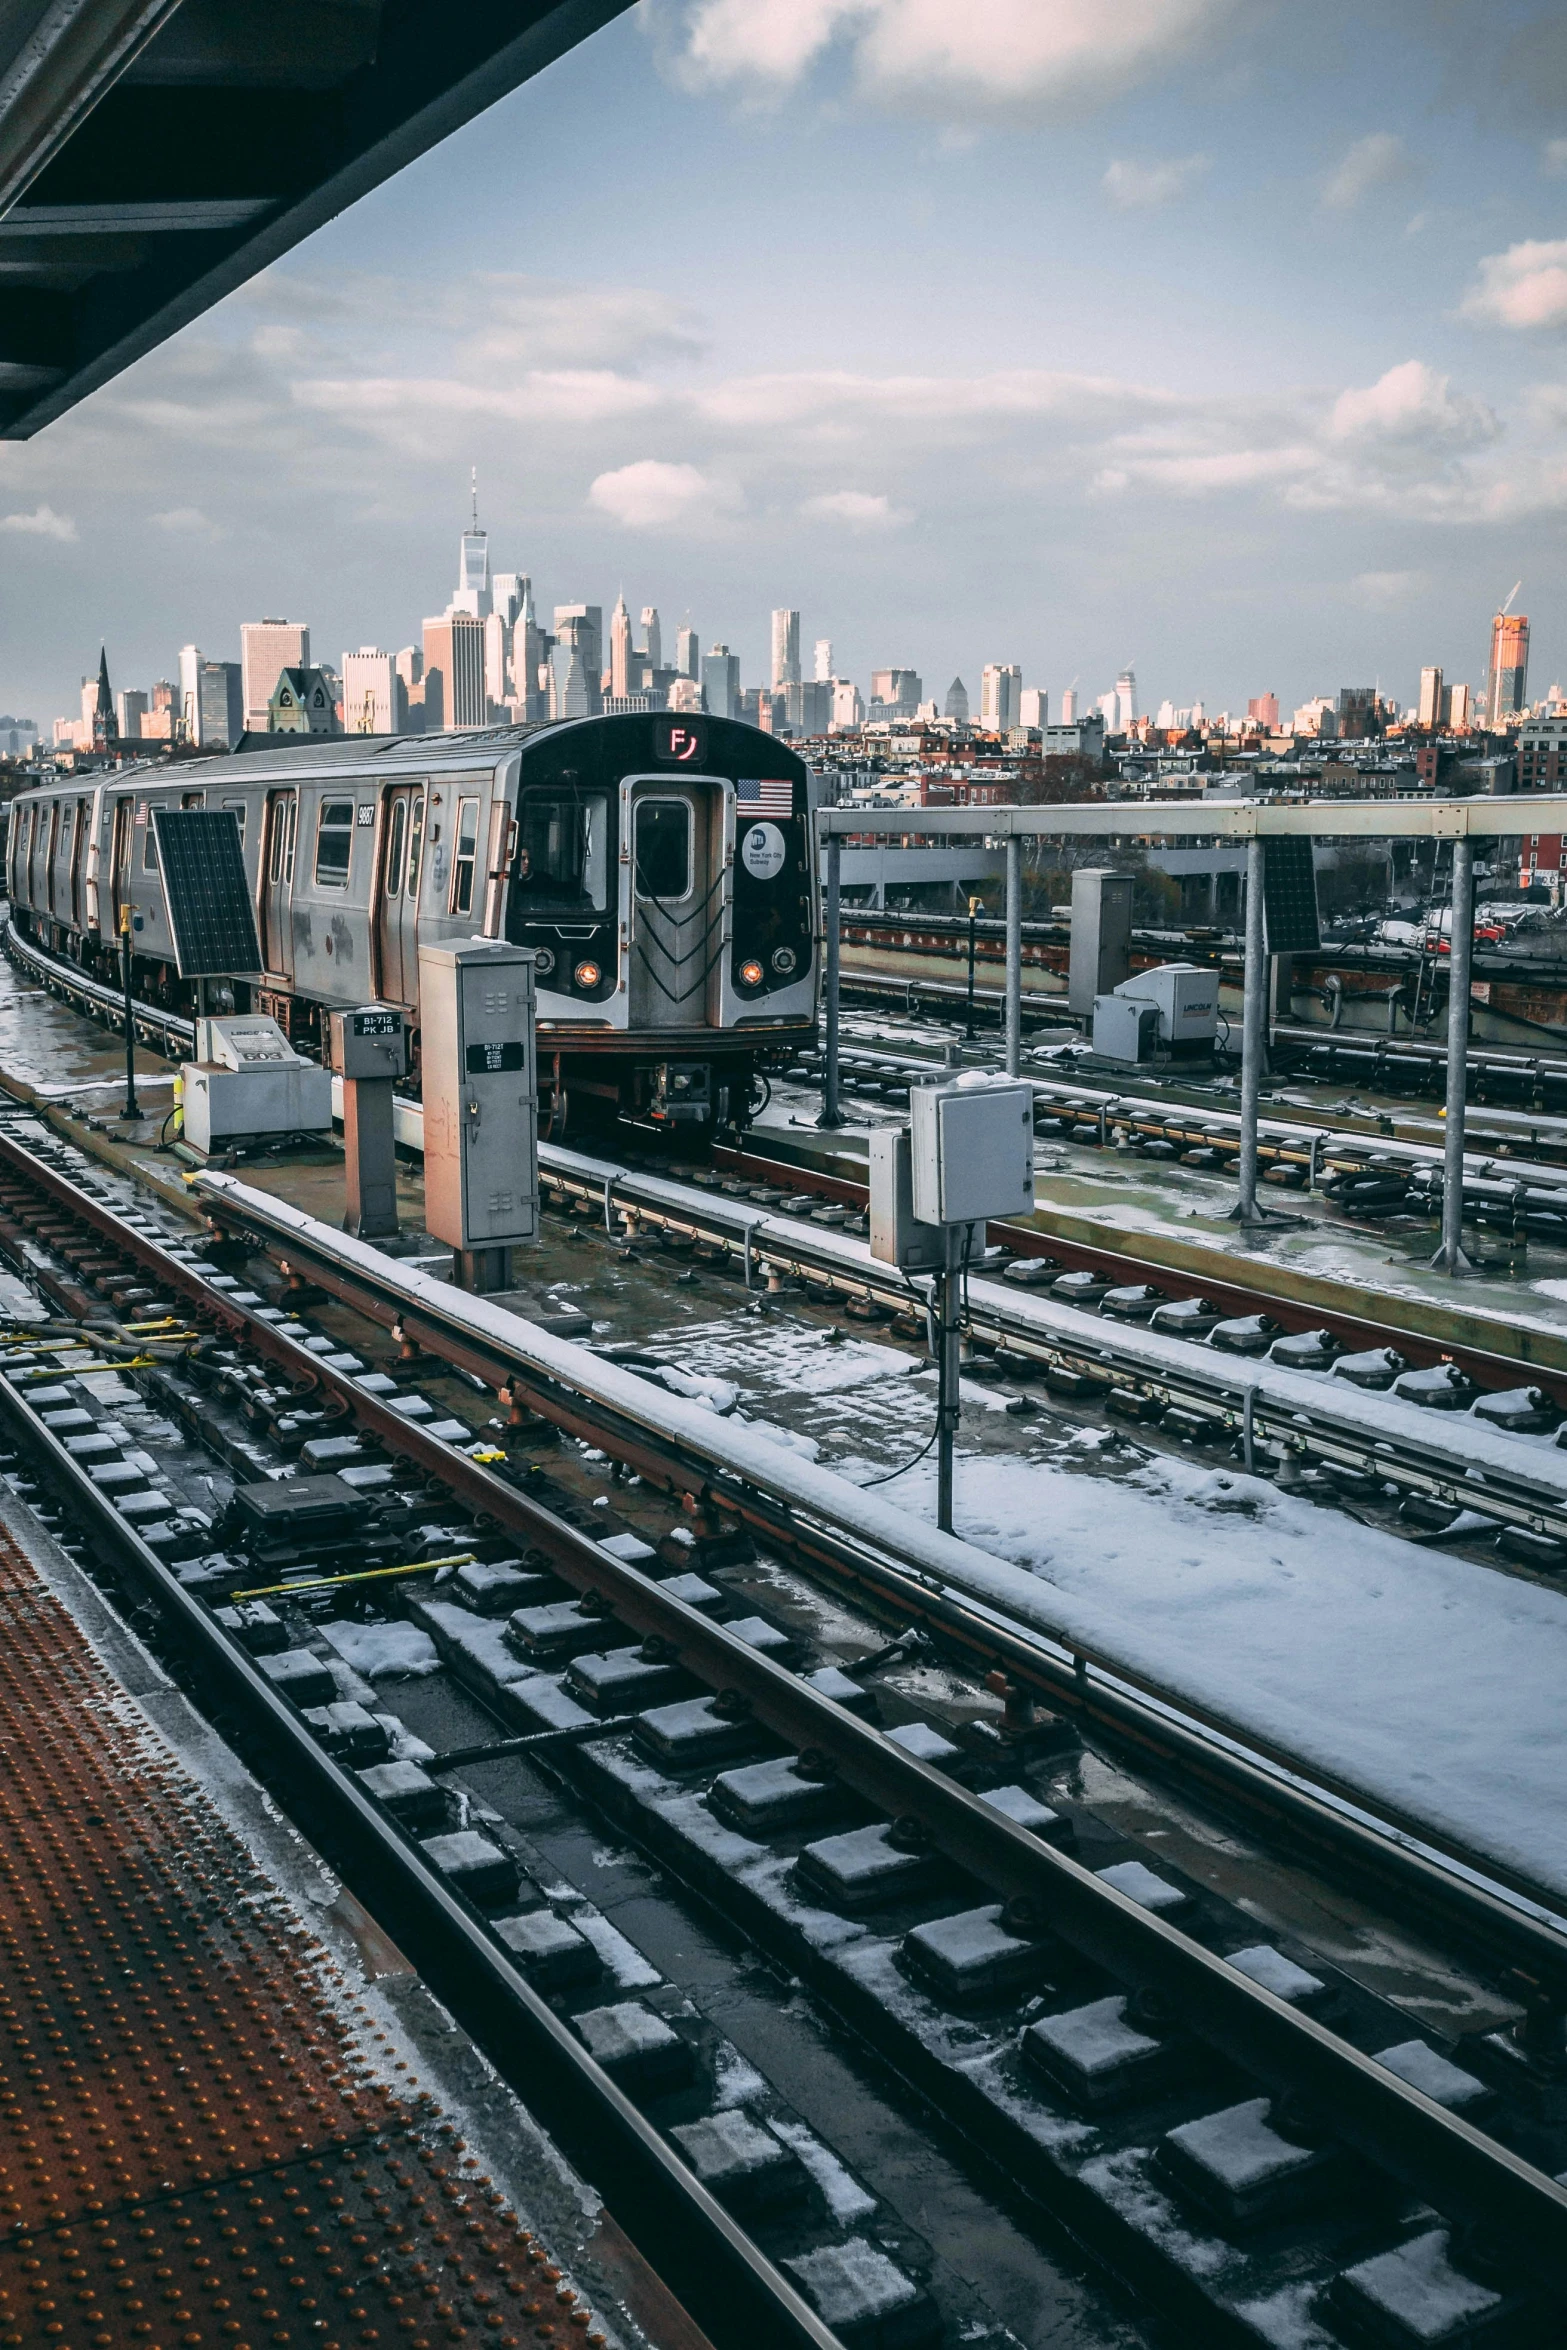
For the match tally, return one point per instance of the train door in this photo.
(277, 881)
(678, 902)
(120, 861)
(396, 926)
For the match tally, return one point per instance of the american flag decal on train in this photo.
(764, 795)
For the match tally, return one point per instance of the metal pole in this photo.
(132, 1105)
(1014, 954)
(1461, 944)
(948, 1407)
(1254, 1016)
(831, 1115)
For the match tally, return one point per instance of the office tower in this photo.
(721, 682)
(1457, 716)
(579, 630)
(786, 650)
(821, 661)
(1509, 668)
(454, 695)
(509, 591)
(1264, 708)
(1000, 691)
(956, 706)
(1069, 706)
(621, 681)
(375, 699)
(130, 708)
(688, 653)
(652, 637)
(1034, 707)
(266, 648)
(1428, 710)
(1125, 701)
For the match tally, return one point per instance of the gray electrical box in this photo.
(480, 1081)
(896, 1237)
(1101, 954)
(370, 1043)
(973, 1150)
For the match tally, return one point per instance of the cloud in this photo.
(1385, 591)
(860, 509)
(1377, 161)
(995, 59)
(1524, 287)
(42, 523)
(651, 495)
(1146, 187)
(1413, 405)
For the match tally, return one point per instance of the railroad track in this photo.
(1255, 2143)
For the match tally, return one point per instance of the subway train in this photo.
(662, 867)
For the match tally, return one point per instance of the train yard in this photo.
(917, 1919)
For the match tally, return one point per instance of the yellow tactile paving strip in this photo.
(193, 2149)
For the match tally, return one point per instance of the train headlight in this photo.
(784, 961)
(587, 975)
(543, 962)
(751, 973)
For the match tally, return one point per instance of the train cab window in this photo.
(465, 855)
(334, 843)
(149, 846)
(663, 849)
(562, 862)
(415, 845)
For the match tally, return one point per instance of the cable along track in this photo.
(1238, 2144)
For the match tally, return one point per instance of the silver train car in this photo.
(661, 867)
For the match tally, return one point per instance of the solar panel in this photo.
(1289, 895)
(205, 890)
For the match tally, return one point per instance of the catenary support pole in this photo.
(1014, 955)
(830, 1113)
(132, 1105)
(948, 1321)
(1254, 1017)
(1461, 945)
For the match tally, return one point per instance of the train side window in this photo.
(149, 847)
(415, 845)
(562, 861)
(396, 836)
(334, 843)
(465, 854)
(663, 848)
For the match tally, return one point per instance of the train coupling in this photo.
(682, 1093)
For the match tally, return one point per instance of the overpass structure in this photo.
(1463, 822)
(154, 154)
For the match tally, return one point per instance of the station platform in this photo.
(213, 2129)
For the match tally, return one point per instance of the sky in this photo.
(1222, 338)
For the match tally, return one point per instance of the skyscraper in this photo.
(822, 670)
(652, 637)
(1509, 670)
(721, 682)
(786, 650)
(621, 680)
(688, 652)
(266, 649)
(1000, 691)
(1428, 710)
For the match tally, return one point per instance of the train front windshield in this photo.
(562, 865)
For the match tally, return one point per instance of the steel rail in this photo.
(1429, 2150)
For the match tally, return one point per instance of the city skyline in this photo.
(1179, 449)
